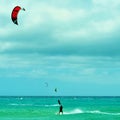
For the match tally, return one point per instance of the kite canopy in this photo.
(15, 14)
(46, 84)
(55, 89)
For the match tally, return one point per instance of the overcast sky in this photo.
(73, 45)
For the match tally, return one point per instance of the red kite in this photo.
(15, 14)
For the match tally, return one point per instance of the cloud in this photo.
(63, 42)
(66, 22)
(106, 3)
(4, 46)
(62, 29)
(35, 66)
(88, 71)
(41, 14)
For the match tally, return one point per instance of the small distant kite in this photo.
(46, 84)
(15, 14)
(55, 89)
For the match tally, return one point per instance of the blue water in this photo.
(46, 108)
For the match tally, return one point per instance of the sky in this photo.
(73, 45)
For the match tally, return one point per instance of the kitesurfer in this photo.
(60, 107)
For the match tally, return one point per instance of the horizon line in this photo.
(57, 96)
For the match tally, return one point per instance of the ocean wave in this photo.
(75, 111)
(79, 111)
(100, 112)
(15, 104)
(53, 105)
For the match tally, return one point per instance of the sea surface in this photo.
(46, 108)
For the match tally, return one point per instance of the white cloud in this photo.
(107, 26)
(6, 46)
(40, 15)
(64, 23)
(92, 29)
(99, 21)
(107, 3)
(88, 71)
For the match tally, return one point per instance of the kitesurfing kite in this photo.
(46, 84)
(15, 14)
(55, 89)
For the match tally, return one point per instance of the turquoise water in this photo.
(46, 108)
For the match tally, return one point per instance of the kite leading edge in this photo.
(15, 14)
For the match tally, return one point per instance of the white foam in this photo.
(21, 98)
(54, 105)
(75, 111)
(99, 112)
(79, 111)
(14, 104)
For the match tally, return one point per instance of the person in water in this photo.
(60, 107)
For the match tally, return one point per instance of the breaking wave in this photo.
(52, 105)
(79, 111)
(75, 111)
